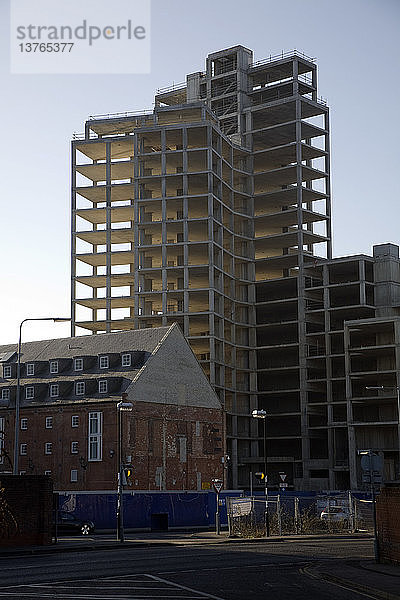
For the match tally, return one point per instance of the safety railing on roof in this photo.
(172, 88)
(136, 113)
(281, 56)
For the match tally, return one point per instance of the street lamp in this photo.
(397, 388)
(261, 414)
(121, 407)
(18, 394)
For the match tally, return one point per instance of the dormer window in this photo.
(30, 369)
(126, 360)
(54, 366)
(78, 364)
(103, 387)
(54, 390)
(29, 392)
(103, 362)
(7, 371)
(80, 388)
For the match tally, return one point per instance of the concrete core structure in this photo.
(213, 211)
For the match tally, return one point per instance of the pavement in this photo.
(361, 575)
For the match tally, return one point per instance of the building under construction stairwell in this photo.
(213, 211)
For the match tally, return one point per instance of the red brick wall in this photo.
(25, 510)
(151, 436)
(388, 523)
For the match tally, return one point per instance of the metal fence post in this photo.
(351, 512)
(278, 510)
(296, 515)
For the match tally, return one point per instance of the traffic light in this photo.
(259, 476)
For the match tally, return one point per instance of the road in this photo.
(239, 571)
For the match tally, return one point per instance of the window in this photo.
(48, 448)
(7, 371)
(54, 366)
(74, 447)
(29, 392)
(5, 394)
(103, 362)
(103, 387)
(47, 472)
(23, 449)
(2, 436)
(30, 369)
(75, 421)
(24, 423)
(78, 364)
(95, 436)
(126, 360)
(54, 390)
(49, 422)
(79, 388)
(74, 475)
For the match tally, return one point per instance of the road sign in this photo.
(217, 485)
(283, 485)
(282, 475)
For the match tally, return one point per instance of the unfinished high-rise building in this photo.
(213, 211)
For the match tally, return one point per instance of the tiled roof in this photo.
(136, 339)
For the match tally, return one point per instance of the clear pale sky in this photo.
(356, 46)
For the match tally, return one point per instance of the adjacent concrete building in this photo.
(173, 438)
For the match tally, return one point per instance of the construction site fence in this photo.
(280, 514)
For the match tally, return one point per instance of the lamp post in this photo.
(261, 414)
(18, 393)
(397, 388)
(121, 407)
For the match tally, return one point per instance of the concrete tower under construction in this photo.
(213, 211)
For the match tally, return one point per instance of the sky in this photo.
(355, 43)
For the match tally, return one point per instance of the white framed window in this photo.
(7, 371)
(74, 447)
(48, 448)
(2, 438)
(103, 362)
(75, 421)
(78, 364)
(30, 369)
(103, 386)
(80, 388)
(54, 366)
(49, 422)
(54, 390)
(95, 430)
(5, 394)
(74, 475)
(23, 449)
(47, 472)
(29, 392)
(24, 423)
(126, 360)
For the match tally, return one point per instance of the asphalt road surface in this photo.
(240, 571)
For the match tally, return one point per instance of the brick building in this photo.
(68, 420)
